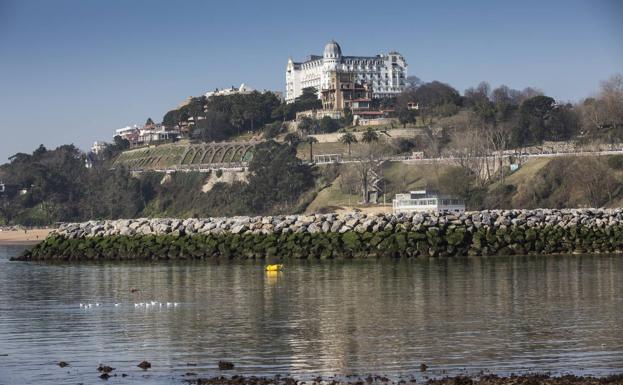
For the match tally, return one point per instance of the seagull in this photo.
(116, 305)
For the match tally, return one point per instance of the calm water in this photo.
(560, 314)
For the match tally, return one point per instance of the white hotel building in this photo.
(385, 73)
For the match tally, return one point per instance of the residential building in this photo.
(156, 134)
(243, 89)
(145, 135)
(422, 200)
(343, 91)
(384, 73)
(128, 132)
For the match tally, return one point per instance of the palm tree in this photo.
(348, 139)
(370, 136)
(311, 140)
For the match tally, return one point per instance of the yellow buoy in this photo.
(276, 267)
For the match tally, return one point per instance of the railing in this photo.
(410, 158)
(234, 166)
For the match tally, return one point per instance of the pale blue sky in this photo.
(72, 71)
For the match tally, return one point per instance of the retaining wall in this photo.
(356, 235)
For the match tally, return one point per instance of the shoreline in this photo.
(483, 379)
(21, 238)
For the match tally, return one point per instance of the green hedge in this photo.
(429, 242)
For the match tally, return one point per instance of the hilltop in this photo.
(251, 154)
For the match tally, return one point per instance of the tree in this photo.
(601, 117)
(368, 169)
(328, 125)
(215, 127)
(612, 95)
(413, 82)
(370, 136)
(348, 139)
(292, 139)
(437, 99)
(120, 143)
(534, 114)
(308, 100)
(311, 140)
(308, 125)
(40, 151)
(347, 118)
(479, 95)
(285, 111)
(404, 113)
(277, 177)
(273, 129)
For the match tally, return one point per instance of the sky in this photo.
(73, 71)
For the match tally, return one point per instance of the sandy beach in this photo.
(19, 237)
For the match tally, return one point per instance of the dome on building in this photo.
(332, 50)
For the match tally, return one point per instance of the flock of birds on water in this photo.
(143, 305)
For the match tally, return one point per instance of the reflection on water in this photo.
(505, 314)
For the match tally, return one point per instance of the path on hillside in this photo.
(240, 166)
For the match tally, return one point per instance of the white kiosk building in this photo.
(422, 200)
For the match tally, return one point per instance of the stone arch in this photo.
(197, 157)
(218, 154)
(247, 155)
(160, 160)
(188, 156)
(228, 154)
(207, 154)
(237, 155)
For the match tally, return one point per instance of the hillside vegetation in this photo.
(62, 189)
(557, 182)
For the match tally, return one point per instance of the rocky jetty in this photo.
(353, 235)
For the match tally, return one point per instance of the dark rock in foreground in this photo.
(529, 379)
(502, 232)
(225, 365)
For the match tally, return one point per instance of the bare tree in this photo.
(612, 97)
(596, 179)
(368, 168)
(602, 116)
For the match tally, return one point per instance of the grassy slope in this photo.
(400, 177)
(523, 177)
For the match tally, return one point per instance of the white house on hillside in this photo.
(422, 200)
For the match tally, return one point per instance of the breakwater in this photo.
(327, 236)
